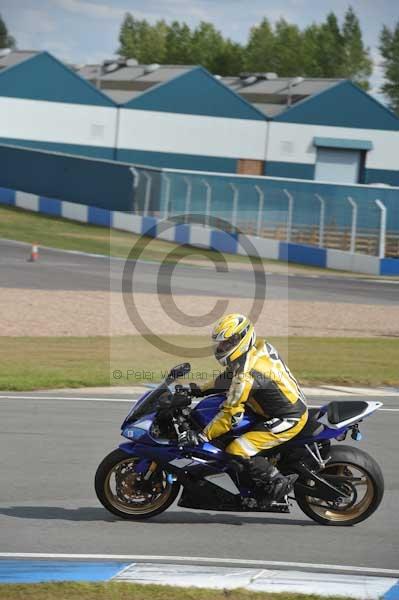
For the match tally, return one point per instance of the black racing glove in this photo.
(196, 390)
(191, 438)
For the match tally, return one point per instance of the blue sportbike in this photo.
(337, 485)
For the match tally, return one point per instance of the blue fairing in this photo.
(150, 448)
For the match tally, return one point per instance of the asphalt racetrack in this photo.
(50, 449)
(58, 270)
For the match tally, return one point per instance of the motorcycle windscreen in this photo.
(146, 404)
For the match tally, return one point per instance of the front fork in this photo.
(146, 468)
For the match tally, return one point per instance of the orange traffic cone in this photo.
(34, 253)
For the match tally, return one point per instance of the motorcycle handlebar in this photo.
(179, 399)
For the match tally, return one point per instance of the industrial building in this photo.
(183, 117)
(45, 105)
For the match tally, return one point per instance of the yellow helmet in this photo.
(233, 335)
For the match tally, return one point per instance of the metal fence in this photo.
(361, 219)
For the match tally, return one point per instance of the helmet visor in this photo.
(224, 347)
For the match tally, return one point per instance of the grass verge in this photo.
(55, 232)
(28, 363)
(129, 591)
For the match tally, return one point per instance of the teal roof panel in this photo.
(342, 105)
(196, 92)
(43, 77)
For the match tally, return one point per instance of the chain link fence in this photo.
(360, 219)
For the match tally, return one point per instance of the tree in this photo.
(288, 49)
(230, 61)
(324, 49)
(321, 50)
(178, 44)
(259, 54)
(311, 49)
(140, 40)
(207, 44)
(152, 42)
(329, 50)
(6, 40)
(357, 63)
(389, 48)
(129, 37)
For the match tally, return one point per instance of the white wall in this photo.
(192, 134)
(292, 142)
(184, 134)
(57, 122)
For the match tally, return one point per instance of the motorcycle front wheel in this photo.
(360, 478)
(128, 494)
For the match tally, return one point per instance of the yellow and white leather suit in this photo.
(259, 381)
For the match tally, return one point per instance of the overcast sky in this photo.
(83, 31)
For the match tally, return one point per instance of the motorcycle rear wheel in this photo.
(125, 494)
(364, 483)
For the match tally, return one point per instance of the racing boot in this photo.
(270, 484)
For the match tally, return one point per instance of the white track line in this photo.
(69, 398)
(334, 277)
(131, 400)
(207, 561)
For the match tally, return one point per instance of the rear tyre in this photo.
(126, 494)
(360, 476)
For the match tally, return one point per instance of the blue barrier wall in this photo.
(109, 185)
(104, 184)
(74, 149)
(204, 237)
(338, 211)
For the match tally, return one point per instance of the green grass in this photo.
(55, 232)
(130, 591)
(60, 233)
(28, 363)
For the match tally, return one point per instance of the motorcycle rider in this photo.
(255, 378)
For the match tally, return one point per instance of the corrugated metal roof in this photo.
(127, 82)
(124, 74)
(130, 79)
(270, 96)
(89, 71)
(15, 57)
(271, 86)
(308, 87)
(280, 85)
(229, 80)
(121, 96)
(270, 110)
(164, 73)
